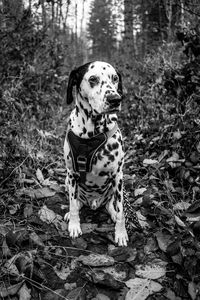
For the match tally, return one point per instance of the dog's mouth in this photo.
(114, 105)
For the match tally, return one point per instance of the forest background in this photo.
(155, 44)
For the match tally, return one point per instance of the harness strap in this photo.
(84, 150)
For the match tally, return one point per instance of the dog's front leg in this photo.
(72, 216)
(121, 236)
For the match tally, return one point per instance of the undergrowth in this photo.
(161, 128)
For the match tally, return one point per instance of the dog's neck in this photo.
(85, 124)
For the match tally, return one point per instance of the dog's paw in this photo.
(121, 236)
(74, 228)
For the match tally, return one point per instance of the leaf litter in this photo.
(39, 260)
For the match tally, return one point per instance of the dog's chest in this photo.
(105, 163)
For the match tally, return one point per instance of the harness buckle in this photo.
(82, 161)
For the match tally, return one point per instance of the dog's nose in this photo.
(114, 99)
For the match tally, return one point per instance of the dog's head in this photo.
(98, 84)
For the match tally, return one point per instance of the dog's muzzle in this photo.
(114, 101)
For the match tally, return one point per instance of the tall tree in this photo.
(128, 28)
(102, 29)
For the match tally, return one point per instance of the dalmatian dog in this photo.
(93, 146)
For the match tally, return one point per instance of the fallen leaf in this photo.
(60, 171)
(132, 255)
(51, 183)
(88, 227)
(150, 271)
(63, 273)
(193, 210)
(174, 161)
(177, 134)
(5, 249)
(105, 228)
(141, 288)
(180, 206)
(174, 157)
(58, 294)
(10, 290)
(151, 245)
(163, 240)
(198, 147)
(24, 293)
(50, 217)
(44, 192)
(139, 191)
(96, 260)
(79, 242)
(193, 219)
(70, 286)
(170, 295)
(148, 162)
(17, 236)
(5, 228)
(10, 267)
(28, 210)
(179, 221)
(120, 253)
(75, 294)
(13, 208)
(142, 220)
(101, 297)
(47, 215)
(173, 248)
(39, 175)
(39, 193)
(162, 155)
(104, 279)
(118, 275)
(192, 288)
(169, 185)
(36, 239)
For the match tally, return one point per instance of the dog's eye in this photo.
(93, 80)
(115, 78)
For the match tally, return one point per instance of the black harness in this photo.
(83, 150)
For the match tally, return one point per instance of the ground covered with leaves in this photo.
(161, 128)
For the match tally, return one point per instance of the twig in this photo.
(14, 170)
(188, 10)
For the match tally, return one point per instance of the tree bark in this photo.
(144, 29)
(168, 11)
(44, 17)
(128, 28)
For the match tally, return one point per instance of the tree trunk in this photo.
(128, 29)
(168, 10)
(182, 13)
(30, 4)
(52, 16)
(82, 17)
(144, 30)
(44, 17)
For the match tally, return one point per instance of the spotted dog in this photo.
(93, 146)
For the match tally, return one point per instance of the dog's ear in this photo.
(120, 87)
(75, 79)
(72, 81)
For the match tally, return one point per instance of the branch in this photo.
(188, 10)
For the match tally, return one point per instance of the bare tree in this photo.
(44, 16)
(128, 28)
